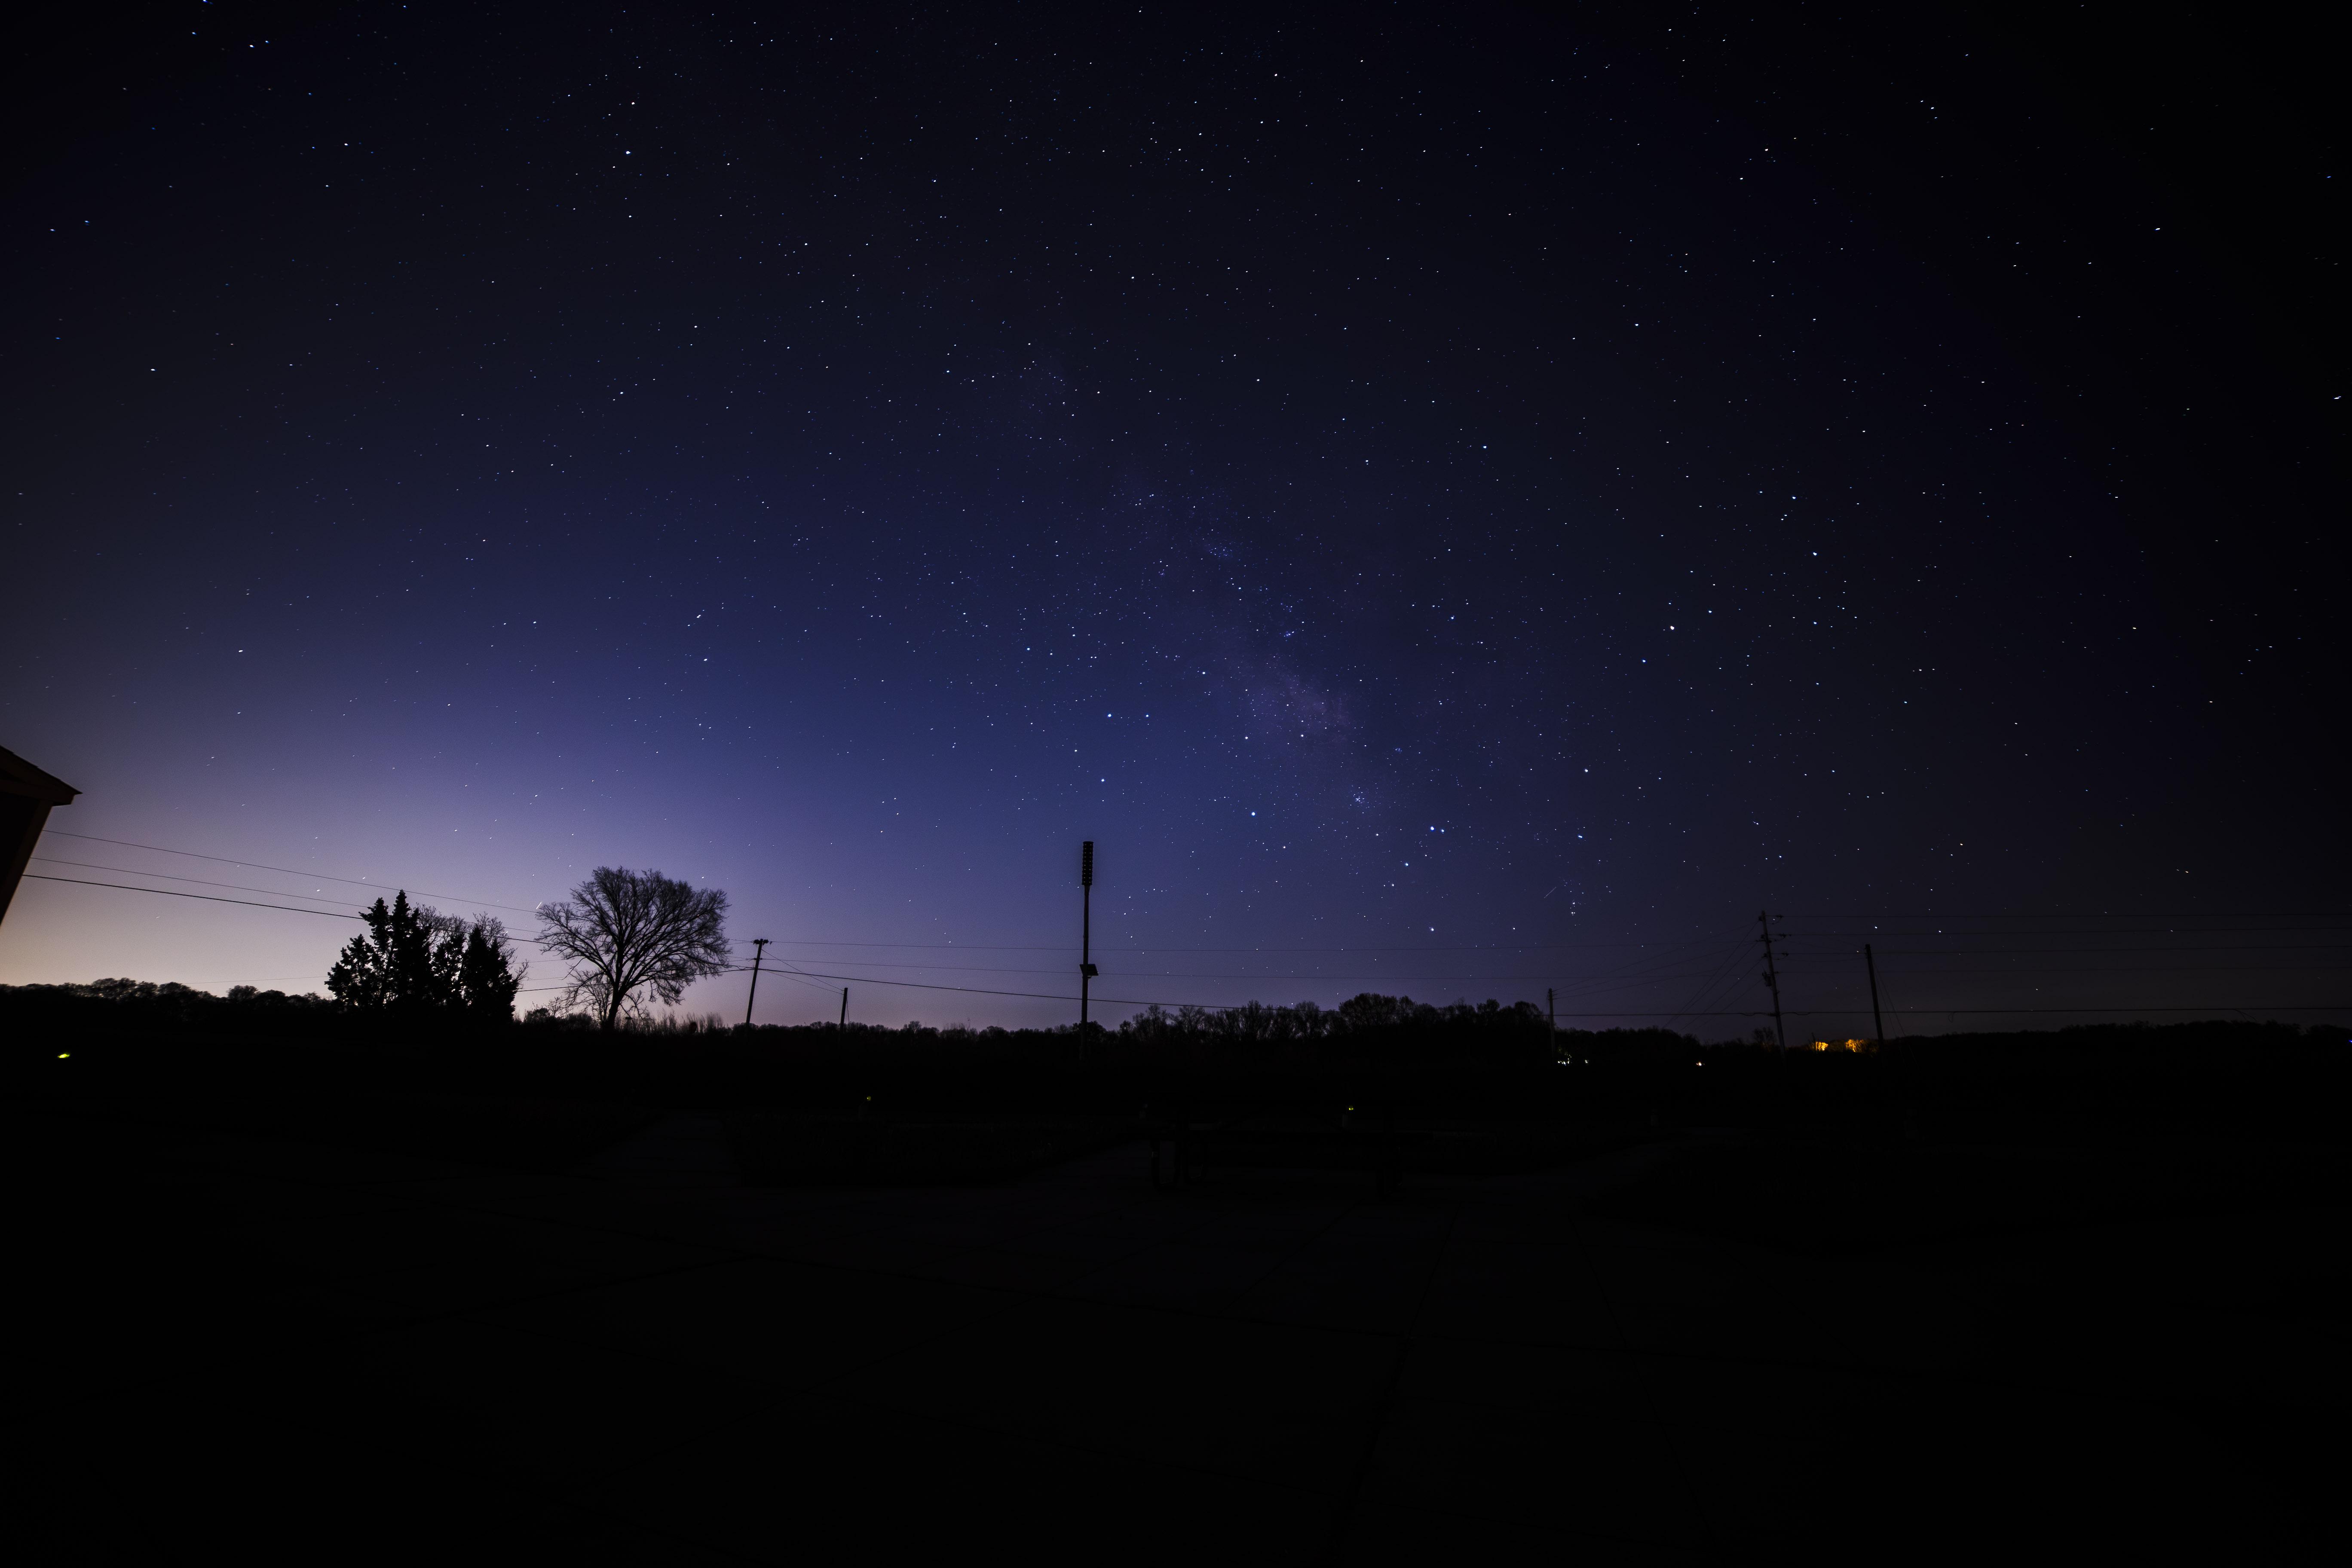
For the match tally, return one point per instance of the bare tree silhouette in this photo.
(624, 932)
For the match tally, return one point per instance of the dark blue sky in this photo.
(1505, 495)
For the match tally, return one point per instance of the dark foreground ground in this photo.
(277, 1345)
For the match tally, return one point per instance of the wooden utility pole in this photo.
(1772, 982)
(1877, 1024)
(759, 951)
(845, 1006)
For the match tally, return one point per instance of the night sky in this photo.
(1455, 501)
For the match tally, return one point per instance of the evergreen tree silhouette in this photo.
(413, 961)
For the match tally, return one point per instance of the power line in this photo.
(865, 980)
(1057, 947)
(1717, 986)
(379, 884)
(2077, 930)
(207, 898)
(256, 866)
(199, 881)
(2181, 947)
(248, 903)
(1394, 979)
(1587, 982)
(2133, 915)
(1611, 1013)
(1229, 1006)
(2036, 1012)
(2126, 969)
(796, 978)
(1536, 946)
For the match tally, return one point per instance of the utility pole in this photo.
(1772, 982)
(1877, 1024)
(1551, 1012)
(845, 1006)
(759, 951)
(1085, 927)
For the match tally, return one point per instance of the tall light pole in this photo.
(1085, 926)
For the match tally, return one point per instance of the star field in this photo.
(1433, 484)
